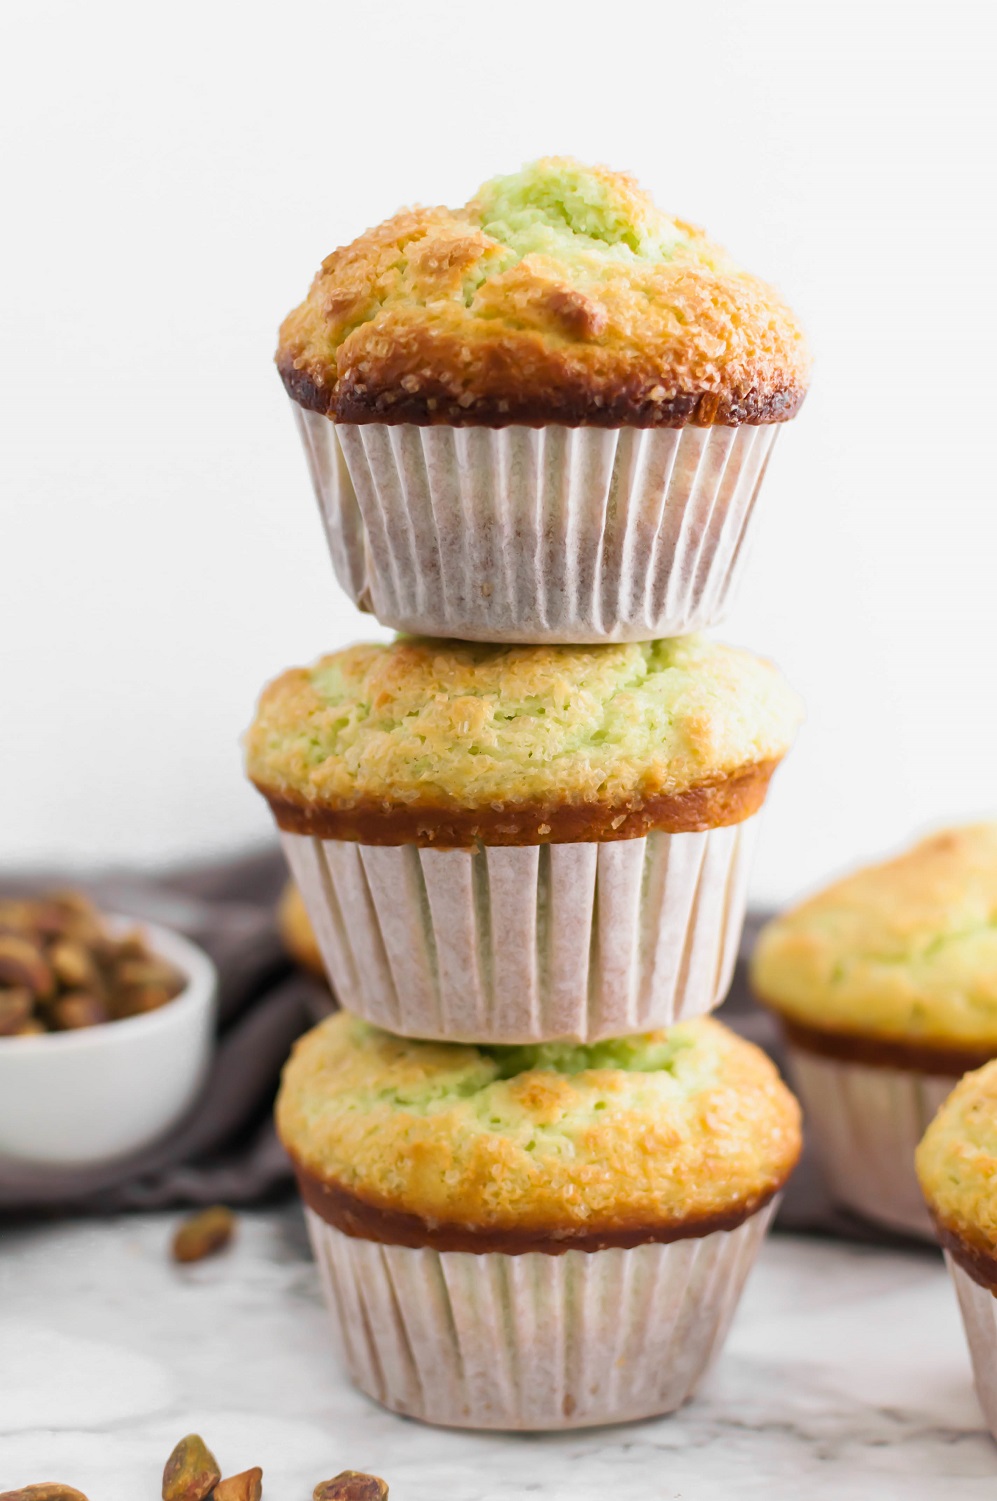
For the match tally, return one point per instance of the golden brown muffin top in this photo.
(906, 950)
(432, 730)
(643, 1133)
(559, 294)
(957, 1170)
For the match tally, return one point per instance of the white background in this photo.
(173, 176)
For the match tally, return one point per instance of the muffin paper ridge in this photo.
(528, 944)
(865, 1123)
(522, 534)
(978, 1307)
(533, 1341)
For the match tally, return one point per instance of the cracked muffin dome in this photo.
(644, 1138)
(903, 951)
(559, 294)
(447, 742)
(957, 1170)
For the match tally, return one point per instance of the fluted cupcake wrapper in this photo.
(865, 1124)
(529, 943)
(978, 1307)
(533, 1341)
(543, 534)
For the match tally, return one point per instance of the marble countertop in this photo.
(845, 1376)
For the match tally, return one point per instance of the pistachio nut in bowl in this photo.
(106, 1033)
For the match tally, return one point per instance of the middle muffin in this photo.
(517, 844)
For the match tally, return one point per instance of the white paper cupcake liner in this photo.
(865, 1124)
(979, 1314)
(537, 534)
(530, 943)
(533, 1341)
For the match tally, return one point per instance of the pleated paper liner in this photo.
(865, 1123)
(528, 944)
(550, 534)
(978, 1307)
(533, 1341)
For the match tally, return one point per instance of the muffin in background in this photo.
(534, 1237)
(956, 1168)
(296, 931)
(886, 987)
(523, 844)
(543, 416)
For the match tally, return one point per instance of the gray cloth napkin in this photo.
(226, 1149)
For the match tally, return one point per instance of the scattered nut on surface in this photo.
(351, 1485)
(248, 1486)
(204, 1234)
(47, 1490)
(61, 968)
(191, 1472)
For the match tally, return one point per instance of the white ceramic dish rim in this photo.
(201, 978)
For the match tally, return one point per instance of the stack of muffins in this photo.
(536, 1174)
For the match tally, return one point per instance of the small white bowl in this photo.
(78, 1098)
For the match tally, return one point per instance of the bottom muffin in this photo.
(545, 1236)
(886, 986)
(956, 1169)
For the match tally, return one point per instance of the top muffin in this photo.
(903, 951)
(559, 294)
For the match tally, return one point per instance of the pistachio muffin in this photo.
(886, 986)
(523, 844)
(957, 1169)
(296, 931)
(542, 416)
(540, 1236)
